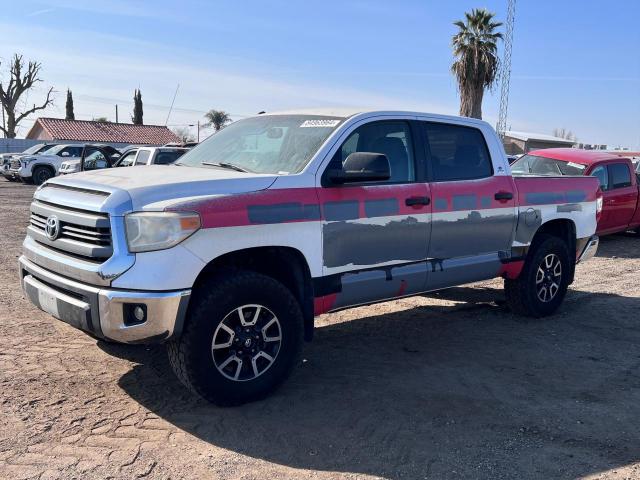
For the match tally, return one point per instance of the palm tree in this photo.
(217, 119)
(475, 48)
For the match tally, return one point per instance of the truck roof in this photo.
(575, 155)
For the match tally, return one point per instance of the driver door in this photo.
(376, 235)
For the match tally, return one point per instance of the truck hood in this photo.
(156, 187)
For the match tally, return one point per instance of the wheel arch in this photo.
(564, 229)
(288, 265)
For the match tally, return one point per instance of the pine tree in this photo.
(137, 108)
(69, 107)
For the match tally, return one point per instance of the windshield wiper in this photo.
(227, 165)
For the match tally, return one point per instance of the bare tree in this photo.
(184, 134)
(20, 81)
(564, 133)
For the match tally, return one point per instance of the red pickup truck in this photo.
(618, 181)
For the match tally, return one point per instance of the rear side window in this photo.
(143, 157)
(619, 175)
(457, 152)
(73, 151)
(165, 158)
(601, 174)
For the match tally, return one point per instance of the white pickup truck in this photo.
(5, 158)
(279, 218)
(38, 168)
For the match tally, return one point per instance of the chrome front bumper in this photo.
(589, 250)
(104, 312)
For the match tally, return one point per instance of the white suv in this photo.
(41, 167)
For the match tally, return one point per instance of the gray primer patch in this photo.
(576, 196)
(464, 202)
(485, 202)
(441, 204)
(340, 211)
(569, 207)
(541, 198)
(283, 212)
(356, 243)
(529, 222)
(381, 208)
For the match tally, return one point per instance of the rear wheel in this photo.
(41, 175)
(241, 340)
(543, 282)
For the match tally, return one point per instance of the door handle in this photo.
(503, 196)
(414, 201)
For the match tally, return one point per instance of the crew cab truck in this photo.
(38, 168)
(279, 218)
(617, 177)
(5, 158)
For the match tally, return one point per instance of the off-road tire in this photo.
(521, 293)
(191, 354)
(41, 175)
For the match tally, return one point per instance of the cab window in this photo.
(143, 157)
(457, 152)
(601, 174)
(393, 139)
(619, 175)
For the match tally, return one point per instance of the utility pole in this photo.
(116, 113)
(506, 69)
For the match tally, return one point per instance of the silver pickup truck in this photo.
(229, 255)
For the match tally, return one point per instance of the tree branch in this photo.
(46, 103)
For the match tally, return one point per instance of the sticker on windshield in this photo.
(319, 123)
(576, 165)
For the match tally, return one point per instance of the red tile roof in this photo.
(91, 131)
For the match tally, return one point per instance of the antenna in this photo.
(506, 69)
(171, 107)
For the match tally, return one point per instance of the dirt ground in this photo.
(446, 386)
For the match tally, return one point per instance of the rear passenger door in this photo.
(375, 235)
(474, 209)
(621, 198)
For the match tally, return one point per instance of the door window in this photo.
(619, 175)
(143, 157)
(392, 139)
(71, 152)
(601, 174)
(457, 152)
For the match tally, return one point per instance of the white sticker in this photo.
(319, 123)
(576, 165)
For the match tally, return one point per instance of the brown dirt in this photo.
(449, 385)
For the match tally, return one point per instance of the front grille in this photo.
(15, 164)
(81, 233)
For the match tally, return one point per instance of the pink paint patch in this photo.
(324, 304)
(511, 270)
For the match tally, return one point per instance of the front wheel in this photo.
(543, 282)
(41, 175)
(242, 338)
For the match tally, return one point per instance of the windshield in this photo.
(35, 149)
(533, 164)
(276, 144)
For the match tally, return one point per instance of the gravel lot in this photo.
(446, 386)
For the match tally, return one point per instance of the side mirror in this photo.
(362, 167)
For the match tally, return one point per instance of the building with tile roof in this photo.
(58, 129)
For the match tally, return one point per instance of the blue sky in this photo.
(576, 64)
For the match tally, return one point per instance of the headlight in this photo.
(28, 159)
(149, 231)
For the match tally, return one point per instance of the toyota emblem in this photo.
(53, 227)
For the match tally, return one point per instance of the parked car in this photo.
(5, 158)
(618, 181)
(279, 218)
(38, 168)
(153, 156)
(95, 156)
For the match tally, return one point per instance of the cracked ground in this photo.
(449, 385)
